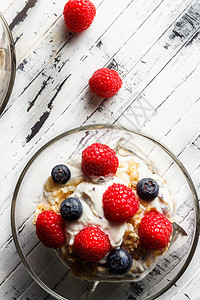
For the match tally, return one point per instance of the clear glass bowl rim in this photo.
(93, 127)
(13, 64)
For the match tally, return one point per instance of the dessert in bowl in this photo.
(107, 194)
(122, 233)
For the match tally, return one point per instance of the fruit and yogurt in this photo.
(107, 213)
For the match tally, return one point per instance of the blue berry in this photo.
(60, 174)
(119, 261)
(147, 189)
(71, 209)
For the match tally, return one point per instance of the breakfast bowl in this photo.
(7, 63)
(50, 270)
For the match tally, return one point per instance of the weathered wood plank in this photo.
(6, 5)
(175, 96)
(22, 20)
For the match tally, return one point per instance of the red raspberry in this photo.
(79, 14)
(119, 203)
(105, 82)
(99, 160)
(50, 229)
(155, 231)
(91, 243)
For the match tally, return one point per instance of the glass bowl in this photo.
(44, 264)
(7, 63)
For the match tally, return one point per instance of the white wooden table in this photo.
(155, 47)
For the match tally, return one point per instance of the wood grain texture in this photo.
(154, 45)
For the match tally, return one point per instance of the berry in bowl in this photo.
(107, 208)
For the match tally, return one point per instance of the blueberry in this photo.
(119, 261)
(71, 209)
(60, 174)
(147, 189)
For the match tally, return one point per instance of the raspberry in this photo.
(105, 82)
(50, 229)
(91, 243)
(99, 160)
(119, 203)
(155, 231)
(79, 14)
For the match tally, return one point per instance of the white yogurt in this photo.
(90, 195)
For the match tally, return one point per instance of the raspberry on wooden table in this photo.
(119, 203)
(105, 82)
(91, 243)
(99, 160)
(155, 231)
(50, 229)
(79, 14)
